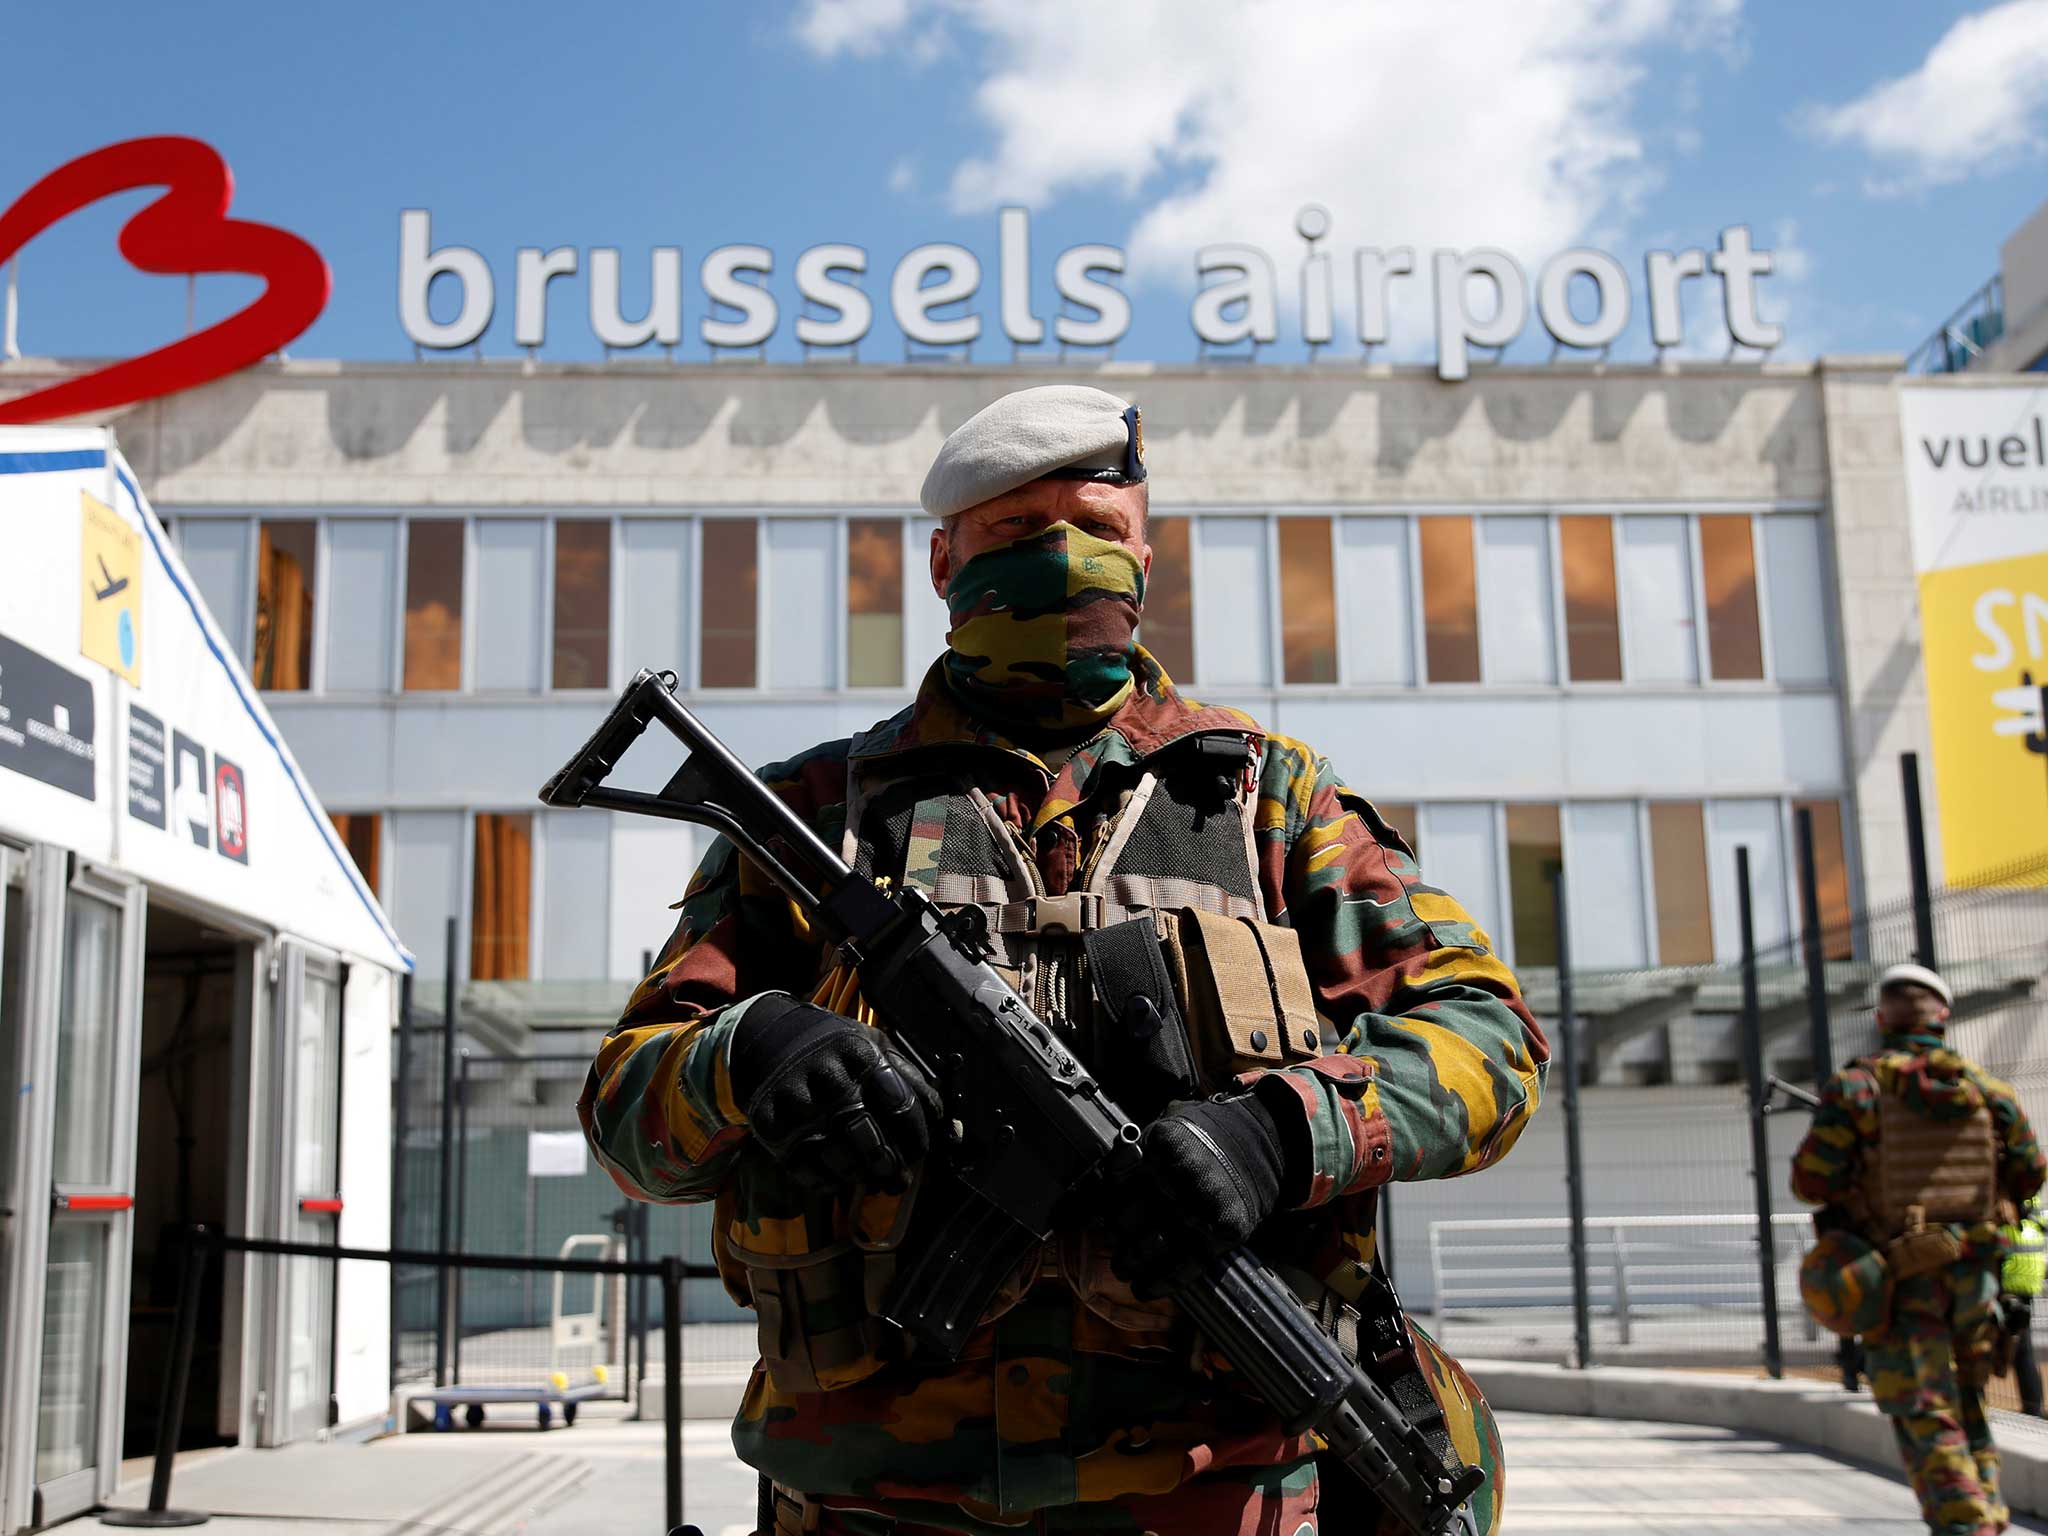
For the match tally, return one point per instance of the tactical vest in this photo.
(1929, 1172)
(1159, 968)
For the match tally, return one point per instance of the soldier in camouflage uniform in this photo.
(1928, 1363)
(1051, 773)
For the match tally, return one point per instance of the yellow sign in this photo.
(1985, 639)
(110, 596)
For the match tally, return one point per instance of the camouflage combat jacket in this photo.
(1067, 1395)
(1830, 1166)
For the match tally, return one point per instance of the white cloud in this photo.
(903, 175)
(1496, 121)
(829, 27)
(1491, 122)
(1977, 101)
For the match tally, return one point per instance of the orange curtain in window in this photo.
(501, 896)
(1167, 629)
(284, 606)
(1450, 600)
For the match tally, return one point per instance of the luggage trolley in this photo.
(586, 1343)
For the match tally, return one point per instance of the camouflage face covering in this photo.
(1042, 629)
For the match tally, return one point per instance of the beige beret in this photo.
(1069, 430)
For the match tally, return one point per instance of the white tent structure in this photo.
(196, 998)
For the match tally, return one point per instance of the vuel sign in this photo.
(1977, 491)
(185, 231)
(1480, 298)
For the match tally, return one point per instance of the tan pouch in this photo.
(1922, 1250)
(1247, 993)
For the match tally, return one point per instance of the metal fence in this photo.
(490, 1158)
(1677, 1159)
(1674, 1163)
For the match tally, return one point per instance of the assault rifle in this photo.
(1034, 1135)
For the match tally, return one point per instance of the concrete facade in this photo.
(1808, 452)
(1884, 685)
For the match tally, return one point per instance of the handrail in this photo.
(1637, 1273)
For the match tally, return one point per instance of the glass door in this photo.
(309, 1083)
(83, 1329)
(13, 1027)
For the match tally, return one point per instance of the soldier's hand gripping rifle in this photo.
(1035, 1134)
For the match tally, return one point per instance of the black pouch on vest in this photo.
(1141, 1042)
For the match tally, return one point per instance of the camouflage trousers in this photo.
(1928, 1373)
(1249, 1501)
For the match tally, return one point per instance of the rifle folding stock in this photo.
(1035, 1133)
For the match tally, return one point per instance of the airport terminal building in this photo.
(1631, 617)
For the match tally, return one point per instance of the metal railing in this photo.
(200, 1243)
(1639, 1267)
(1961, 339)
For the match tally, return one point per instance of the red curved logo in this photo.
(187, 230)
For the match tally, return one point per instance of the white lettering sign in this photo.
(1480, 298)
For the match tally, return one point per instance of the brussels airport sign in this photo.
(1480, 298)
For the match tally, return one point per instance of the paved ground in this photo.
(1583, 1476)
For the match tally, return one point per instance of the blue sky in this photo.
(1884, 149)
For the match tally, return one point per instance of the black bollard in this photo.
(1759, 1136)
(1574, 1159)
(170, 1418)
(672, 1382)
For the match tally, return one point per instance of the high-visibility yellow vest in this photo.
(2026, 1264)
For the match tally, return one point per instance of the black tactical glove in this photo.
(827, 1098)
(1214, 1169)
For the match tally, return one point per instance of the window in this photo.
(501, 897)
(651, 860)
(874, 602)
(216, 552)
(1401, 817)
(656, 582)
(1518, 642)
(433, 605)
(1656, 592)
(1798, 598)
(1535, 848)
(1464, 858)
(1308, 601)
(1592, 620)
(1450, 600)
(425, 849)
(1605, 891)
(1728, 571)
(1831, 877)
(727, 602)
(1168, 628)
(285, 555)
(511, 553)
(362, 566)
(583, 605)
(574, 910)
(803, 595)
(358, 834)
(1236, 602)
(1678, 871)
(924, 612)
(1757, 825)
(1372, 570)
